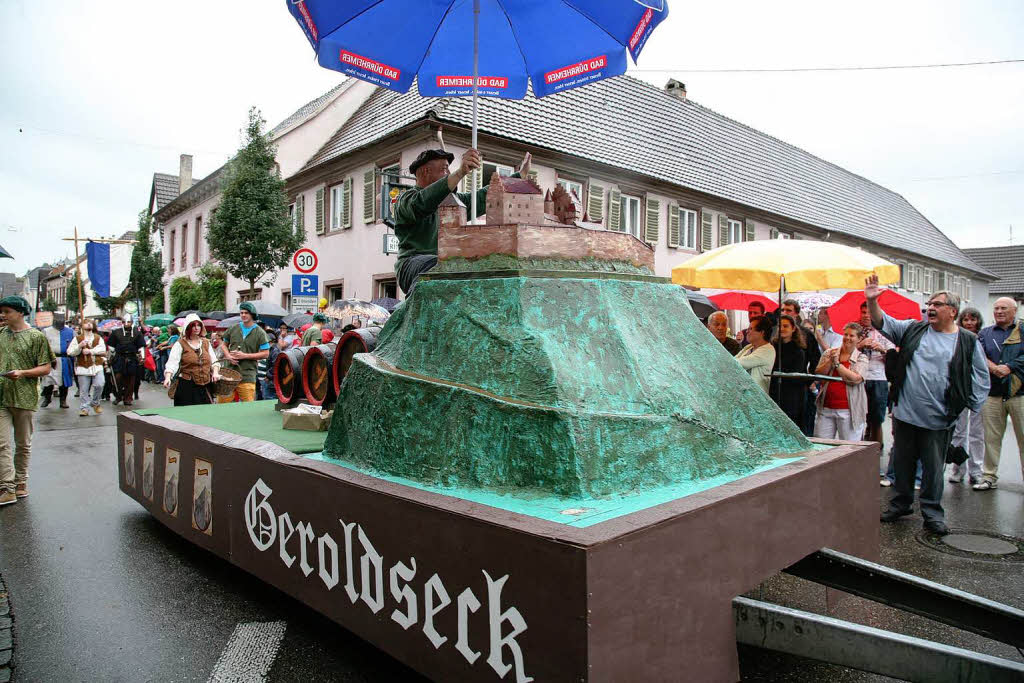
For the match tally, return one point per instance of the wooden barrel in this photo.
(362, 340)
(316, 374)
(288, 374)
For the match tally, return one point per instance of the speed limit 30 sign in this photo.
(305, 260)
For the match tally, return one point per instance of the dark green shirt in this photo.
(312, 336)
(254, 342)
(416, 220)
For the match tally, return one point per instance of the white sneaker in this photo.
(955, 477)
(884, 482)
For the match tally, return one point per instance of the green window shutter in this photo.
(653, 218)
(773, 234)
(614, 211)
(723, 230)
(673, 225)
(300, 212)
(750, 233)
(346, 209)
(369, 194)
(707, 229)
(463, 185)
(595, 203)
(320, 211)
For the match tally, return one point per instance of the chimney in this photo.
(676, 89)
(184, 173)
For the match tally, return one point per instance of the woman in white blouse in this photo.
(758, 356)
(90, 353)
(191, 358)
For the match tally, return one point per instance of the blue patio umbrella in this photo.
(554, 44)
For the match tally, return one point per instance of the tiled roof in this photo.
(166, 187)
(518, 186)
(1006, 262)
(307, 110)
(630, 124)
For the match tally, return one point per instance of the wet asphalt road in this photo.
(102, 592)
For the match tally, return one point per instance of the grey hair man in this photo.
(1004, 355)
(940, 371)
(718, 324)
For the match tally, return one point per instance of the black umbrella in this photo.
(701, 305)
(386, 302)
(215, 315)
(182, 314)
(297, 320)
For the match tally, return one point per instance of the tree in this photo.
(71, 291)
(147, 270)
(250, 232)
(156, 305)
(184, 295)
(213, 283)
(108, 304)
(49, 304)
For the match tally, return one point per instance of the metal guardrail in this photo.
(913, 594)
(864, 648)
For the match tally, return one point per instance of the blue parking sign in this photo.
(305, 285)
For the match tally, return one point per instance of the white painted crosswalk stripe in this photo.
(250, 653)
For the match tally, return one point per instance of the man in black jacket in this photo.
(128, 344)
(940, 371)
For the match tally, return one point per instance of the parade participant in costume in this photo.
(129, 346)
(314, 334)
(25, 356)
(191, 359)
(244, 344)
(416, 222)
(62, 374)
(89, 351)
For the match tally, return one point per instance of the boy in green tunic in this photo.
(314, 335)
(25, 356)
(245, 345)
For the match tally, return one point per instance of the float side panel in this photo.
(661, 595)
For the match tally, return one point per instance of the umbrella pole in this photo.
(476, 76)
(778, 345)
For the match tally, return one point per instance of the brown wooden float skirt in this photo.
(463, 591)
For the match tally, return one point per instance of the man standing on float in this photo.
(416, 220)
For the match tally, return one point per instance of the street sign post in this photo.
(301, 304)
(305, 285)
(305, 260)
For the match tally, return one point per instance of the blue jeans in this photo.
(269, 393)
(90, 387)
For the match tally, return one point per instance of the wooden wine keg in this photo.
(288, 374)
(361, 340)
(316, 374)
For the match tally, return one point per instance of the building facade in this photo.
(641, 160)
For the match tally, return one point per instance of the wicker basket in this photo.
(228, 382)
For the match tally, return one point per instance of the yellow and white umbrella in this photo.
(806, 266)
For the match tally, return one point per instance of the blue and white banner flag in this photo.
(110, 267)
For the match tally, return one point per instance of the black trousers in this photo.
(910, 444)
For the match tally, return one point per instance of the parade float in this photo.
(543, 468)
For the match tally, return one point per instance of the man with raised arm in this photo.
(940, 371)
(416, 221)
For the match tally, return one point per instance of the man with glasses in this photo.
(940, 371)
(1005, 359)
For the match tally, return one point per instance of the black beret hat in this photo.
(430, 155)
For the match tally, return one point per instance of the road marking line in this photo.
(250, 653)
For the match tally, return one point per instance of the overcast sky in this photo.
(96, 97)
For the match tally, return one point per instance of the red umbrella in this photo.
(847, 309)
(211, 324)
(738, 301)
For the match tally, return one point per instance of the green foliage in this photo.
(212, 284)
(147, 270)
(184, 295)
(156, 304)
(71, 293)
(211, 271)
(108, 304)
(250, 232)
(49, 304)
